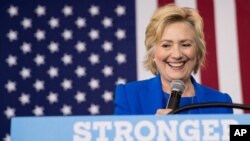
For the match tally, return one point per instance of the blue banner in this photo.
(111, 128)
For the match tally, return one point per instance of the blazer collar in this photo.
(200, 95)
(199, 92)
(151, 96)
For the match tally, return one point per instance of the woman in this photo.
(175, 49)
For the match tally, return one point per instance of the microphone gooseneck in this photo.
(214, 104)
(177, 88)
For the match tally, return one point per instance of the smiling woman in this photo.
(175, 49)
(175, 55)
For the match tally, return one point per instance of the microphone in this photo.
(177, 88)
(213, 104)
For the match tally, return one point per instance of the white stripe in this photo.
(144, 11)
(227, 49)
(191, 4)
(186, 3)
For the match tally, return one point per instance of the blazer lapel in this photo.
(151, 96)
(201, 98)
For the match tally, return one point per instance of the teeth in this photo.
(178, 64)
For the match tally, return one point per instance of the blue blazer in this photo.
(145, 97)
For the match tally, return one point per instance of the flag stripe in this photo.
(243, 11)
(142, 18)
(227, 49)
(185, 3)
(163, 2)
(209, 75)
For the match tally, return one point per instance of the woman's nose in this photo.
(176, 52)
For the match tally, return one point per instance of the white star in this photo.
(53, 47)
(38, 85)
(94, 34)
(24, 99)
(12, 35)
(10, 86)
(11, 60)
(40, 10)
(52, 97)
(94, 58)
(120, 34)
(67, 10)
(7, 137)
(120, 58)
(66, 84)
(107, 96)
(67, 34)
(107, 22)
(94, 83)
(66, 59)
(38, 111)
(80, 22)
(40, 35)
(13, 11)
(80, 97)
(94, 10)
(9, 112)
(107, 46)
(26, 23)
(120, 10)
(80, 71)
(120, 81)
(26, 47)
(25, 73)
(107, 71)
(54, 22)
(94, 109)
(53, 72)
(66, 110)
(39, 59)
(80, 46)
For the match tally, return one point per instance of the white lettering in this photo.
(123, 129)
(151, 130)
(193, 131)
(209, 129)
(225, 128)
(240, 132)
(169, 130)
(102, 126)
(160, 130)
(237, 132)
(243, 131)
(81, 130)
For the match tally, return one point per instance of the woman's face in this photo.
(175, 53)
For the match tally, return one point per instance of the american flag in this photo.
(66, 57)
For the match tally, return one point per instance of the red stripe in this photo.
(243, 23)
(209, 74)
(164, 2)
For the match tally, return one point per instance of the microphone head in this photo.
(177, 85)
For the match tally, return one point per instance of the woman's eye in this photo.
(186, 45)
(165, 45)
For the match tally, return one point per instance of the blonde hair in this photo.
(167, 15)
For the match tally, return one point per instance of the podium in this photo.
(126, 128)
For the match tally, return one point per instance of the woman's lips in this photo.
(176, 64)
